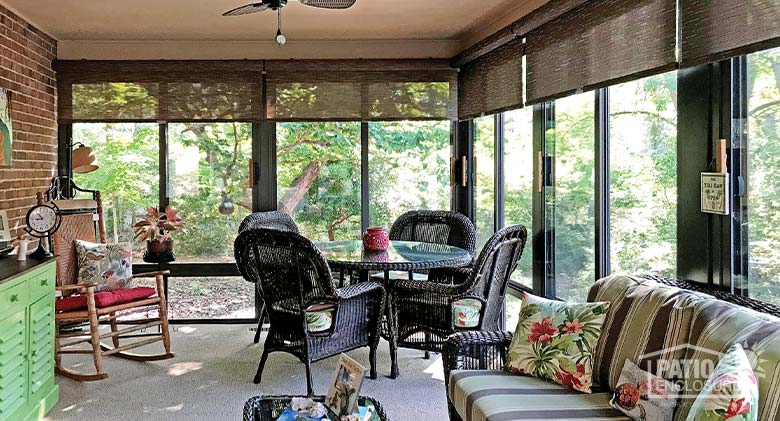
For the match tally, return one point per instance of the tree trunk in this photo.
(299, 187)
(115, 227)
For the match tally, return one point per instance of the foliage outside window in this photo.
(763, 173)
(408, 168)
(484, 190)
(571, 141)
(643, 175)
(518, 183)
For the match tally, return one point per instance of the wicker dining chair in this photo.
(295, 281)
(423, 311)
(82, 219)
(270, 219)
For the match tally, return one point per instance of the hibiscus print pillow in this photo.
(644, 396)
(110, 266)
(731, 391)
(554, 340)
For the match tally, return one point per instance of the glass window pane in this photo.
(763, 171)
(643, 175)
(513, 305)
(573, 216)
(229, 297)
(484, 192)
(518, 182)
(318, 177)
(128, 155)
(208, 177)
(408, 166)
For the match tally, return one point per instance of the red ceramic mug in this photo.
(376, 239)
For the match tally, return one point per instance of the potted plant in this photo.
(156, 228)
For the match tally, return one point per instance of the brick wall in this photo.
(26, 54)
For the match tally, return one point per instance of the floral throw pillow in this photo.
(554, 340)
(731, 391)
(644, 396)
(110, 266)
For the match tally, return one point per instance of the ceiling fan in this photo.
(277, 6)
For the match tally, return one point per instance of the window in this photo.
(408, 168)
(761, 171)
(208, 178)
(318, 178)
(519, 183)
(643, 175)
(569, 204)
(128, 180)
(484, 190)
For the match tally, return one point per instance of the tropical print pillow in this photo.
(110, 266)
(731, 391)
(644, 396)
(554, 340)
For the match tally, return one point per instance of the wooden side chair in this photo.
(82, 219)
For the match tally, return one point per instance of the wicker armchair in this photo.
(294, 281)
(423, 311)
(271, 219)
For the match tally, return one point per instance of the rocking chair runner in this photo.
(78, 223)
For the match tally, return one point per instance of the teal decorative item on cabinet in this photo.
(27, 388)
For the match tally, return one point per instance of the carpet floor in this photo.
(211, 378)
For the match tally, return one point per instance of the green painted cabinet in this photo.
(27, 388)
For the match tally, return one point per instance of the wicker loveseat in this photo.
(650, 319)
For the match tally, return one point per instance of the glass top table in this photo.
(400, 256)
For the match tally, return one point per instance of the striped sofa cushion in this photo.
(717, 325)
(647, 322)
(482, 395)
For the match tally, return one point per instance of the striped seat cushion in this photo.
(482, 395)
(716, 326)
(647, 322)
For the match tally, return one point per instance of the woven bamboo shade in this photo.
(492, 83)
(713, 30)
(598, 44)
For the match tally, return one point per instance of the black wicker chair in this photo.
(271, 219)
(422, 310)
(293, 276)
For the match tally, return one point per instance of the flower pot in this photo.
(159, 251)
(376, 239)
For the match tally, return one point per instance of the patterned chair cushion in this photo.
(110, 266)
(481, 395)
(647, 322)
(731, 392)
(716, 326)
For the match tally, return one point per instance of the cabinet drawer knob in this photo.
(14, 298)
(44, 282)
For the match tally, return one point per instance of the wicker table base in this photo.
(269, 408)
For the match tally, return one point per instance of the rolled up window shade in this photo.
(492, 83)
(598, 44)
(159, 90)
(371, 90)
(713, 30)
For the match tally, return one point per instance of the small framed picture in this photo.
(715, 193)
(343, 391)
(5, 227)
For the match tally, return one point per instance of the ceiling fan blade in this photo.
(329, 4)
(246, 9)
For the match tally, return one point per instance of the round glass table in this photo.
(400, 256)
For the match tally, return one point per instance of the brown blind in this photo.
(713, 30)
(370, 90)
(159, 90)
(598, 44)
(492, 83)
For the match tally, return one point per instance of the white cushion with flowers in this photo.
(110, 266)
(731, 391)
(644, 396)
(554, 340)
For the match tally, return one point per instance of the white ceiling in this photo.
(86, 28)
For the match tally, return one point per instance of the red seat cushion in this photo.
(104, 298)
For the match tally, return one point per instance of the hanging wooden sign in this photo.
(715, 193)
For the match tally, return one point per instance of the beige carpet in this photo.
(211, 377)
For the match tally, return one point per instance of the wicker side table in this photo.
(269, 408)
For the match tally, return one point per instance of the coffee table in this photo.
(269, 408)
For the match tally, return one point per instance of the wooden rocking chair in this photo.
(83, 220)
